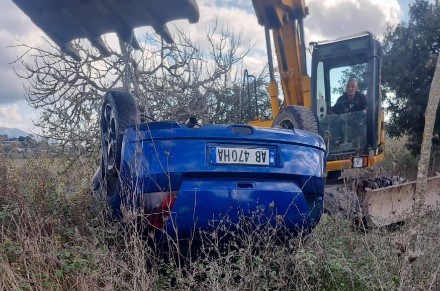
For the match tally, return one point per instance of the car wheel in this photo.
(296, 117)
(118, 112)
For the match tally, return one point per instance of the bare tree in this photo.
(430, 115)
(170, 81)
(415, 237)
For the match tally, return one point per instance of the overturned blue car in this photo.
(180, 177)
(183, 176)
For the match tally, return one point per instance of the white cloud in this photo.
(241, 22)
(255, 63)
(19, 115)
(15, 26)
(236, 17)
(9, 116)
(338, 18)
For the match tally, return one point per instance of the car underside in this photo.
(187, 176)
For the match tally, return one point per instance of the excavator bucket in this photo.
(385, 206)
(66, 20)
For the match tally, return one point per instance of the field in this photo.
(55, 236)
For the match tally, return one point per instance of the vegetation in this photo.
(25, 146)
(169, 81)
(410, 55)
(55, 236)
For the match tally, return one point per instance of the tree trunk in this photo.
(430, 114)
(414, 238)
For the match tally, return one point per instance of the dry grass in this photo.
(52, 239)
(398, 159)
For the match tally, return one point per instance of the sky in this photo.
(328, 19)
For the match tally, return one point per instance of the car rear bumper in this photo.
(207, 204)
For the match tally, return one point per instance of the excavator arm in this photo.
(285, 19)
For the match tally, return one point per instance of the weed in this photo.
(56, 236)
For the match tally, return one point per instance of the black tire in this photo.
(296, 117)
(118, 112)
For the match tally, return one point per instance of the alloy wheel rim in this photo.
(109, 138)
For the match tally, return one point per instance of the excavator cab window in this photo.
(342, 123)
(349, 125)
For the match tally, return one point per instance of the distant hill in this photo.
(13, 132)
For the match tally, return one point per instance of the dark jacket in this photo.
(359, 102)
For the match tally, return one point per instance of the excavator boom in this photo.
(285, 19)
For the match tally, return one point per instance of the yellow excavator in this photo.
(354, 138)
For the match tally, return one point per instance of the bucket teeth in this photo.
(69, 50)
(164, 33)
(66, 20)
(101, 46)
(129, 38)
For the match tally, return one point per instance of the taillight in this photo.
(160, 212)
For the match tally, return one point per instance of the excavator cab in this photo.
(353, 134)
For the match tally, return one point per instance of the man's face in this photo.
(351, 89)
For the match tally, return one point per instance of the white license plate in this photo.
(244, 156)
